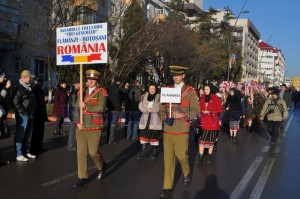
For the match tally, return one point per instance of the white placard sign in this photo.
(85, 44)
(170, 95)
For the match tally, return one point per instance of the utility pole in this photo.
(230, 39)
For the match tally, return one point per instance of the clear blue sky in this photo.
(274, 19)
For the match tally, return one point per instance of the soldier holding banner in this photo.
(176, 130)
(88, 132)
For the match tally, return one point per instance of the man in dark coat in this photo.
(133, 112)
(114, 108)
(25, 106)
(72, 111)
(285, 95)
(40, 116)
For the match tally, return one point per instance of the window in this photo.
(86, 15)
(17, 65)
(41, 69)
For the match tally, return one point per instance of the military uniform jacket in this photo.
(94, 109)
(187, 110)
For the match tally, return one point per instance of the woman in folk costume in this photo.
(248, 112)
(150, 123)
(234, 107)
(211, 108)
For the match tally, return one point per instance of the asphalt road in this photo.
(250, 168)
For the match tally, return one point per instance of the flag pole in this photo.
(81, 92)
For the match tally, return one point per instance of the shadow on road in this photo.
(211, 190)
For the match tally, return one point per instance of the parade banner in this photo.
(170, 95)
(85, 44)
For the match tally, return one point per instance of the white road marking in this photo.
(289, 122)
(265, 149)
(51, 182)
(257, 191)
(276, 149)
(240, 188)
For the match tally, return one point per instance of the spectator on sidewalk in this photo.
(40, 116)
(5, 86)
(132, 110)
(25, 106)
(72, 111)
(114, 108)
(4, 131)
(60, 107)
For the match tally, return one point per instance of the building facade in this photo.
(23, 41)
(246, 36)
(271, 66)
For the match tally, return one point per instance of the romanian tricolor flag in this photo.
(80, 59)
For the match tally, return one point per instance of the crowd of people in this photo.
(210, 109)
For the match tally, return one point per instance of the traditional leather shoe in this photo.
(209, 158)
(80, 183)
(234, 139)
(165, 193)
(200, 159)
(186, 180)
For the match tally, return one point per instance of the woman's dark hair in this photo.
(213, 88)
(152, 84)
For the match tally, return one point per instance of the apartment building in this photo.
(247, 38)
(23, 42)
(271, 66)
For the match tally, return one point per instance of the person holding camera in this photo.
(276, 111)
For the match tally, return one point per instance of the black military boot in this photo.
(56, 131)
(80, 183)
(187, 180)
(142, 155)
(165, 193)
(155, 148)
(101, 172)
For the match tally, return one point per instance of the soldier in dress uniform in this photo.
(89, 132)
(176, 130)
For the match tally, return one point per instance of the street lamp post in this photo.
(230, 39)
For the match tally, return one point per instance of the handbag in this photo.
(4, 130)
